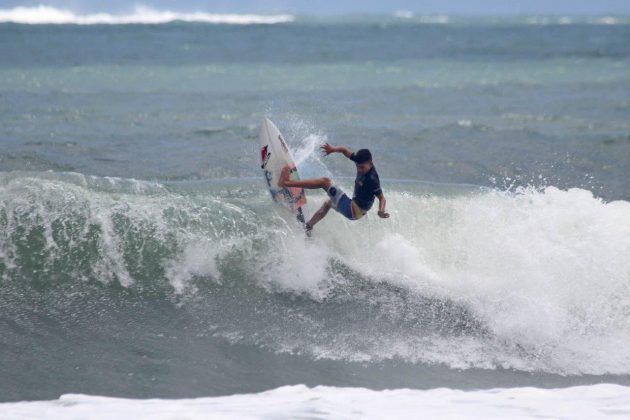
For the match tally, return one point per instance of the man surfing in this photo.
(366, 187)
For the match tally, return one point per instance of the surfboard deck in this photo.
(275, 155)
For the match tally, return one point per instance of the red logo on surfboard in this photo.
(265, 154)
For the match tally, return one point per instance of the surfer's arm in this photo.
(329, 148)
(381, 206)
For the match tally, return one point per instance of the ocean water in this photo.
(141, 255)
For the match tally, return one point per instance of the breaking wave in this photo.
(141, 15)
(537, 280)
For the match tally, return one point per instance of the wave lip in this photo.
(42, 15)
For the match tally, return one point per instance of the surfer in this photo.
(366, 187)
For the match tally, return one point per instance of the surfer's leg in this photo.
(319, 214)
(310, 184)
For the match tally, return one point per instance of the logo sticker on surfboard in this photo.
(265, 155)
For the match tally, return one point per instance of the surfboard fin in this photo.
(308, 229)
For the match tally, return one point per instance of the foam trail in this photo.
(141, 15)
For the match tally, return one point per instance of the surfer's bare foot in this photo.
(284, 176)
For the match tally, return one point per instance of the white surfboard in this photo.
(275, 155)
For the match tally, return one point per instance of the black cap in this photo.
(362, 156)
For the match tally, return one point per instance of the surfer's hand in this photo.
(383, 214)
(328, 149)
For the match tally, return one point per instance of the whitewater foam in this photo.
(323, 402)
(545, 271)
(42, 14)
(571, 20)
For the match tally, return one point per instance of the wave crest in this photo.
(141, 15)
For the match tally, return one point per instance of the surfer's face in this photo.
(364, 168)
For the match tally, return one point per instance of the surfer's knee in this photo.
(327, 205)
(326, 183)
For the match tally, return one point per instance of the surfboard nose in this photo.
(268, 127)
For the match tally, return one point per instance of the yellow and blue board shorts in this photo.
(343, 204)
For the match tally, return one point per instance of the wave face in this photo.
(41, 14)
(533, 281)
